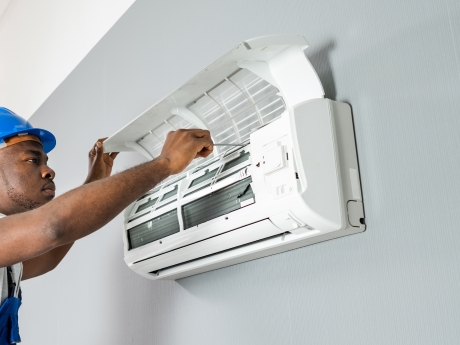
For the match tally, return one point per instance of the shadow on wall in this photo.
(320, 60)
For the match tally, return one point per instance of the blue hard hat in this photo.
(12, 125)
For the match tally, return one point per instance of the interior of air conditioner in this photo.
(234, 108)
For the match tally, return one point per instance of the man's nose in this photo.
(48, 173)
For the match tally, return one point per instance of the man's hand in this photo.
(184, 145)
(100, 163)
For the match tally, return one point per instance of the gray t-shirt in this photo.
(17, 275)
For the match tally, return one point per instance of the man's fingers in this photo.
(203, 153)
(99, 148)
(183, 145)
(95, 149)
(207, 143)
(201, 133)
(207, 148)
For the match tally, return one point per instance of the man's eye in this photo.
(33, 160)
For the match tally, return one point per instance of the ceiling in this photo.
(43, 41)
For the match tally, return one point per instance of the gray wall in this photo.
(397, 63)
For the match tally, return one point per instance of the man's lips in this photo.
(50, 189)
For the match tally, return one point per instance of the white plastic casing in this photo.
(303, 162)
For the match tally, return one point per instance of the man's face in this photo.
(26, 181)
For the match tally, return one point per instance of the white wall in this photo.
(398, 282)
(42, 42)
(3, 5)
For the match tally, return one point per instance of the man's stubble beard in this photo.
(17, 197)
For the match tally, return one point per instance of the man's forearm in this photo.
(83, 210)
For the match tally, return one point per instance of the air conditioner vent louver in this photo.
(154, 229)
(174, 181)
(153, 191)
(203, 178)
(157, 272)
(205, 165)
(228, 175)
(149, 203)
(231, 151)
(215, 174)
(217, 203)
(169, 194)
(244, 156)
(133, 219)
(168, 203)
(197, 190)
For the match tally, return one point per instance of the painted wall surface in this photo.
(397, 63)
(42, 42)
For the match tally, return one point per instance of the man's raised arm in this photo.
(86, 209)
(100, 166)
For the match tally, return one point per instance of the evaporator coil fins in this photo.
(154, 229)
(217, 203)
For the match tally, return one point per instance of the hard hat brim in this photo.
(47, 138)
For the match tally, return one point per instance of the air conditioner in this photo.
(294, 180)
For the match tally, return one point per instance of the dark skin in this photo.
(100, 166)
(39, 231)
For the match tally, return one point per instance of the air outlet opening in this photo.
(158, 272)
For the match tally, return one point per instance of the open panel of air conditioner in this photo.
(294, 181)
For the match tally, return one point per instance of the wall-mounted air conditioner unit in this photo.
(294, 182)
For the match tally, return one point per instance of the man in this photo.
(36, 232)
